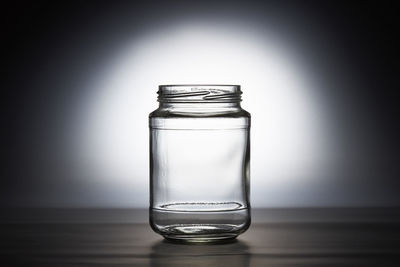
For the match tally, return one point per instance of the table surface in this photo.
(277, 237)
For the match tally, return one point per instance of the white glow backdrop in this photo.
(290, 141)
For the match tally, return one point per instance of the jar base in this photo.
(200, 239)
(199, 233)
(200, 226)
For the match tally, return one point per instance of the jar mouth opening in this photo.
(199, 93)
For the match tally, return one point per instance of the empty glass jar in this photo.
(199, 163)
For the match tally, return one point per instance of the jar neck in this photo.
(200, 99)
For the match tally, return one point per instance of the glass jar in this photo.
(199, 163)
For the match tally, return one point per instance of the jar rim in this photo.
(199, 93)
(198, 84)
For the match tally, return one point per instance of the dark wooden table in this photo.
(277, 237)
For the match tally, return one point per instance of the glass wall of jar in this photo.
(199, 163)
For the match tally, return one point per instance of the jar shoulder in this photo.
(171, 113)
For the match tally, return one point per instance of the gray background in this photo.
(318, 78)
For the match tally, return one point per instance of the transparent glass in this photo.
(199, 163)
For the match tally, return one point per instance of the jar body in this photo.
(199, 170)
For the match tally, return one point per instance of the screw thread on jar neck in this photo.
(199, 93)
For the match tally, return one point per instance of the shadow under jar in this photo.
(199, 163)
